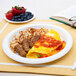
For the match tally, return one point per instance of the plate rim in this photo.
(35, 61)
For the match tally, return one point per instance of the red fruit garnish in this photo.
(23, 10)
(18, 10)
(9, 16)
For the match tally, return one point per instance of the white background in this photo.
(43, 9)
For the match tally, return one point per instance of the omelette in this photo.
(48, 45)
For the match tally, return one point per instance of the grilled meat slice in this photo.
(25, 45)
(18, 48)
(33, 40)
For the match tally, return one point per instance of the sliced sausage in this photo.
(25, 45)
(20, 50)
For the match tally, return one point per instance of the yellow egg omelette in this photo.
(48, 45)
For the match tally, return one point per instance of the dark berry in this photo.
(22, 19)
(31, 16)
(22, 14)
(19, 19)
(15, 17)
(26, 14)
(18, 16)
(25, 19)
(29, 13)
(28, 17)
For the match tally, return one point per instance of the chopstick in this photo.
(63, 20)
(60, 21)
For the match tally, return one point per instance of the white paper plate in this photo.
(20, 21)
(65, 35)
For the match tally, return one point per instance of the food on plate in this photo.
(48, 45)
(9, 16)
(18, 13)
(37, 43)
(18, 48)
(26, 39)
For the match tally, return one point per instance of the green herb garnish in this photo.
(39, 55)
